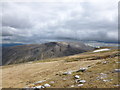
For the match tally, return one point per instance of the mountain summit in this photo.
(32, 52)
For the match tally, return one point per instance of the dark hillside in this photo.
(32, 52)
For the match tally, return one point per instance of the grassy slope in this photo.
(90, 76)
(21, 75)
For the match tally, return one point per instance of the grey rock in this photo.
(82, 69)
(117, 85)
(47, 85)
(39, 87)
(64, 79)
(105, 62)
(72, 86)
(77, 76)
(102, 76)
(67, 73)
(117, 70)
(39, 81)
(79, 85)
(52, 82)
(118, 62)
(80, 81)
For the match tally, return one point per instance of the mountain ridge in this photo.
(33, 52)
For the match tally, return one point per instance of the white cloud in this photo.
(42, 21)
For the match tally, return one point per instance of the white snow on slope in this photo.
(99, 50)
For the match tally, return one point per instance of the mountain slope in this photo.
(25, 53)
(98, 64)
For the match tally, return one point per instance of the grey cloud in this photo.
(16, 21)
(41, 22)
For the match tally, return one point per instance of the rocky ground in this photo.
(87, 70)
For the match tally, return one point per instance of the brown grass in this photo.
(22, 75)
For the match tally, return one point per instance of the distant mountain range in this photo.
(11, 44)
(33, 52)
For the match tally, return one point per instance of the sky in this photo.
(36, 22)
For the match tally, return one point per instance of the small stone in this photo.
(106, 80)
(82, 69)
(39, 81)
(82, 81)
(64, 79)
(118, 62)
(79, 85)
(117, 70)
(117, 85)
(102, 76)
(111, 79)
(67, 73)
(105, 62)
(47, 85)
(72, 86)
(77, 77)
(39, 86)
(52, 82)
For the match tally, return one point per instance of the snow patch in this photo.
(100, 50)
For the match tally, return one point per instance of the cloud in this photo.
(37, 22)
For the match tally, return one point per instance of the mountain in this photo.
(10, 44)
(33, 52)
